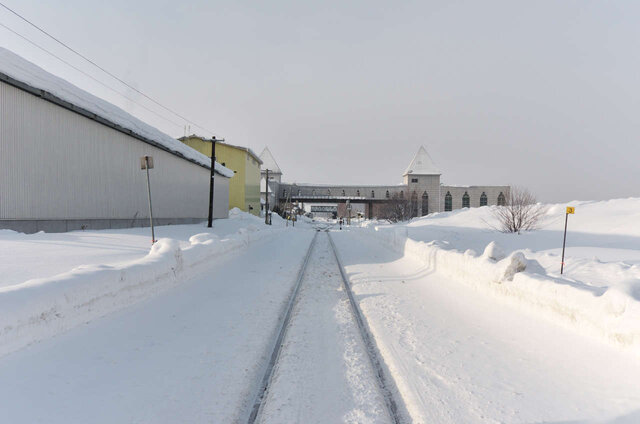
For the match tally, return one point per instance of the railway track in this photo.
(385, 385)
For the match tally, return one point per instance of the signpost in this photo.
(570, 210)
(146, 162)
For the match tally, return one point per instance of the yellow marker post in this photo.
(570, 210)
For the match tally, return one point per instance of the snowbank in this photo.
(609, 313)
(24, 71)
(41, 308)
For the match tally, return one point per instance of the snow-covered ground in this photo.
(63, 289)
(191, 354)
(183, 331)
(603, 239)
(462, 356)
(323, 374)
(27, 256)
(599, 293)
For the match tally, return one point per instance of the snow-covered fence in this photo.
(42, 308)
(610, 313)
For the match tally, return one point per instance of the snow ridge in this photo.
(610, 314)
(42, 308)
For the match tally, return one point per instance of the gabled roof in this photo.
(219, 142)
(21, 73)
(268, 162)
(422, 164)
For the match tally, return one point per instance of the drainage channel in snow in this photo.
(323, 373)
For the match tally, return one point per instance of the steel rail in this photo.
(277, 347)
(386, 385)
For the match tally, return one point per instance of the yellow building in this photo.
(244, 186)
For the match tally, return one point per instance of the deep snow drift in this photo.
(52, 285)
(599, 293)
(459, 355)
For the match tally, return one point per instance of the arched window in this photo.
(448, 202)
(313, 192)
(358, 193)
(483, 199)
(328, 192)
(414, 204)
(373, 193)
(466, 200)
(299, 192)
(343, 193)
(402, 194)
(425, 204)
(387, 194)
(501, 200)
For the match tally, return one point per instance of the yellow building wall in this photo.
(234, 159)
(252, 185)
(244, 186)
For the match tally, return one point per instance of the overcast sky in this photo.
(542, 94)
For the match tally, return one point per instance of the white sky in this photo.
(543, 94)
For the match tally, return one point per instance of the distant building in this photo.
(421, 187)
(69, 160)
(322, 211)
(244, 188)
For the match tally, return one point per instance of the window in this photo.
(414, 180)
(373, 193)
(402, 194)
(358, 193)
(313, 192)
(501, 200)
(387, 194)
(328, 192)
(483, 199)
(448, 202)
(425, 204)
(466, 201)
(343, 193)
(414, 204)
(284, 193)
(299, 192)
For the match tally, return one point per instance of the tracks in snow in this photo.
(324, 365)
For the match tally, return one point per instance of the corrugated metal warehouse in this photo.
(69, 160)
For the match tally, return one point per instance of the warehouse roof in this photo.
(23, 74)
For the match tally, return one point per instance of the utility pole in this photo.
(266, 198)
(213, 172)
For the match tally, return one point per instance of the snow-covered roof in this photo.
(219, 142)
(422, 164)
(14, 69)
(269, 162)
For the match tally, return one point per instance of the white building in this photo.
(421, 188)
(69, 160)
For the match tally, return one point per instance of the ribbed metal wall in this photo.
(56, 164)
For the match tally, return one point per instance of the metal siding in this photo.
(56, 164)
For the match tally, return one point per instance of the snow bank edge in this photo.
(42, 308)
(610, 315)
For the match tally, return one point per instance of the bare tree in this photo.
(396, 209)
(521, 212)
